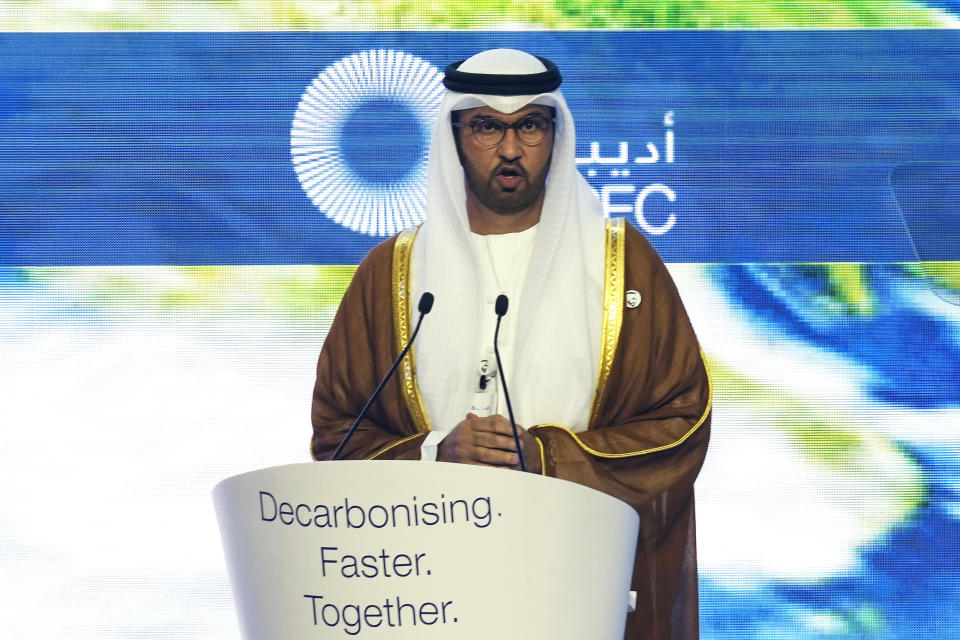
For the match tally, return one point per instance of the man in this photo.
(612, 394)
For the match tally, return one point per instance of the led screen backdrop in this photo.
(181, 211)
(722, 146)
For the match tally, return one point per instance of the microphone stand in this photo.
(424, 306)
(501, 309)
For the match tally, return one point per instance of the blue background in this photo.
(174, 148)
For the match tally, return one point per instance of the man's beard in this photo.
(507, 202)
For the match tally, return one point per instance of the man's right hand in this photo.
(484, 441)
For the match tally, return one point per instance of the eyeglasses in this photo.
(489, 132)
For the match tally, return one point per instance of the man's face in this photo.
(509, 177)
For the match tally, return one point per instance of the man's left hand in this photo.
(531, 451)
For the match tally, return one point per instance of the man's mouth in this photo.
(509, 177)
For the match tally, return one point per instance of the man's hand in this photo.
(531, 451)
(489, 442)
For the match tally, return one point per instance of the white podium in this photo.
(398, 549)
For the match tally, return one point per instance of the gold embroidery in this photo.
(392, 445)
(641, 452)
(613, 276)
(402, 311)
(543, 458)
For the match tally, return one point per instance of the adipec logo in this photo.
(360, 139)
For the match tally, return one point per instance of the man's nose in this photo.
(510, 147)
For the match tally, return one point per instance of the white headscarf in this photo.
(558, 316)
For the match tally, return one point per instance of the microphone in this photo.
(424, 307)
(501, 309)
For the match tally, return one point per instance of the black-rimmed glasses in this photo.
(489, 132)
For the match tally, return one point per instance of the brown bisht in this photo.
(649, 427)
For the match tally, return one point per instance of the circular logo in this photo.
(360, 139)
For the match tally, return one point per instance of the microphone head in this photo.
(426, 303)
(501, 306)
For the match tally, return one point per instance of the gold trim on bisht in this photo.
(402, 314)
(643, 452)
(383, 450)
(613, 275)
